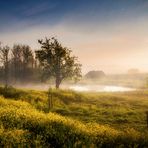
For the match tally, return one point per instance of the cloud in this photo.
(39, 8)
(124, 46)
(113, 43)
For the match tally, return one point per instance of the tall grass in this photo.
(76, 119)
(21, 124)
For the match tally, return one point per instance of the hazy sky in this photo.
(108, 35)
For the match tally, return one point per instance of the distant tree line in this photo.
(17, 64)
(23, 64)
(95, 75)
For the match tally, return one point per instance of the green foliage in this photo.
(14, 138)
(57, 61)
(23, 124)
(90, 119)
(10, 92)
(18, 65)
(4, 59)
(22, 62)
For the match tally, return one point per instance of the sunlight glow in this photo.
(100, 88)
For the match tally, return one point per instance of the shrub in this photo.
(10, 92)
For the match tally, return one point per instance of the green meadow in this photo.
(64, 118)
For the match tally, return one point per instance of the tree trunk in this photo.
(57, 82)
(6, 73)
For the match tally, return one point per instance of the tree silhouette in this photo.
(27, 60)
(4, 57)
(57, 61)
(16, 61)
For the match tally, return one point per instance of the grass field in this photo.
(74, 120)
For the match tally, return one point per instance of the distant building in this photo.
(95, 75)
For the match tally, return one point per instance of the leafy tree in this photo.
(56, 61)
(22, 61)
(4, 57)
(16, 61)
(95, 75)
(27, 60)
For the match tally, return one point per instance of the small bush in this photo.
(10, 92)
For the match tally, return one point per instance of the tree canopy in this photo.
(56, 61)
(95, 74)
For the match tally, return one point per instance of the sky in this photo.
(108, 35)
